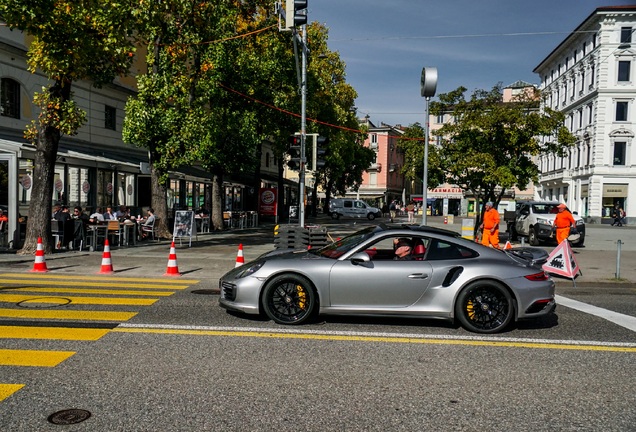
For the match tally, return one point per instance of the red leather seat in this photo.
(419, 250)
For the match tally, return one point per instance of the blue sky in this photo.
(474, 43)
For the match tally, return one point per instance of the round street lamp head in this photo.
(428, 83)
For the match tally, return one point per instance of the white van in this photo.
(345, 207)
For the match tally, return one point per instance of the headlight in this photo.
(580, 222)
(544, 221)
(249, 270)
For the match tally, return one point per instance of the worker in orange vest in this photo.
(562, 222)
(490, 227)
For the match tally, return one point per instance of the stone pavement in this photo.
(215, 253)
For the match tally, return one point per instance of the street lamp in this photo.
(428, 85)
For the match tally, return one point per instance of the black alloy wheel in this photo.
(484, 307)
(289, 299)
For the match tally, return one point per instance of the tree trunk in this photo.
(217, 201)
(39, 221)
(159, 203)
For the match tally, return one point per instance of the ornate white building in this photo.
(590, 77)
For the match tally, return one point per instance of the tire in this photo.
(533, 239)
(484, 307)
(371, 216)
(335, 215)
(289, 299)
(581, 241)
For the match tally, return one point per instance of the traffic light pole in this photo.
(303, 129)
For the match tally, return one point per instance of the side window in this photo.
(347, 204)
(360, 204)
(384, 249)
(441, 250)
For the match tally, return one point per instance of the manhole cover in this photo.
(69, 416)
(44, 302)
(205, 291)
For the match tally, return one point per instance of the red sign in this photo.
(562, 262)
(268, 201)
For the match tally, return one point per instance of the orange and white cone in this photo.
(240, 260)
(107, 265)
(173, 268)
(40, 264)
(508, 245)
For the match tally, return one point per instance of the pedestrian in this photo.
(490, 226)
(562, 223)
(410, 211)
(618, 214)
(392, 210)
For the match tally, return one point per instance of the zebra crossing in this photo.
(56, 307)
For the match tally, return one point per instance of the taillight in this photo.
(541, 276)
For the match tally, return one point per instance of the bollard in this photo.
(618, 259)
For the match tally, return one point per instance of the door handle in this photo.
(418, 276)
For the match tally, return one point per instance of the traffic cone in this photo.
(239, 257)
(40, 264)
(173, 268)
(508, 245)
(107, 265)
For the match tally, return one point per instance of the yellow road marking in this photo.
(17, 298)
(7, 390)
(90, 291)
(10, 357)
(97, 277)
(386, 339)
(105, 284)
(58, 333)
(66, 314)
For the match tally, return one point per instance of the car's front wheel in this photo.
(581, 241)
(289, 299)
(533, 238)
(371, 216)
(484, 307)
(335, 215)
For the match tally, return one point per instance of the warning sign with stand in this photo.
(562, 262)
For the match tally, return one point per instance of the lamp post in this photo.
(428, 85)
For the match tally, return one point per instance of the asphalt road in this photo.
(181, 363)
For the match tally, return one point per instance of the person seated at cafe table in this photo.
(123, 213)
(147, 221)
(97, 216)
(109, 214)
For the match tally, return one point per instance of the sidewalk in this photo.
(215, 253)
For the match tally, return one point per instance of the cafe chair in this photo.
(149, 229)
(114, 231)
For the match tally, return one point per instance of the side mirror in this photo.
(360, 258)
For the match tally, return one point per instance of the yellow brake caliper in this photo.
(302, 297)
(470, 308)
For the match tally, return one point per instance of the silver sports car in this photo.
(402, 271)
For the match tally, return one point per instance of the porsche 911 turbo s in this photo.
(399, 271)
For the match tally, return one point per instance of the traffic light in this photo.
(320, 151)
(294, 151)
(293, 17)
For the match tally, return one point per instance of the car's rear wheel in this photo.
(484, 307)
(371, 216)
(289, 299)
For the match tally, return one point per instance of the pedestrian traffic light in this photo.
(293, 15)
(293, 150)
(320, 152)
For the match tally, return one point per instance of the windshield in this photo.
(338, 248)
(544, 208)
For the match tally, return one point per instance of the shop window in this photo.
(10, 98)
(110, 117)
(619, 153)
(267, 157)
(624, 67)
(621, 111)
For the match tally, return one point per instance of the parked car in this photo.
(448, 277)
(353, 208)
(535, 219)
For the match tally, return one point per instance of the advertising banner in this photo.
(268, 202)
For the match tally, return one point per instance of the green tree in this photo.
(491, 145)
(412, 143)
(72, 40)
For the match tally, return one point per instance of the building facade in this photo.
(590, 77)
